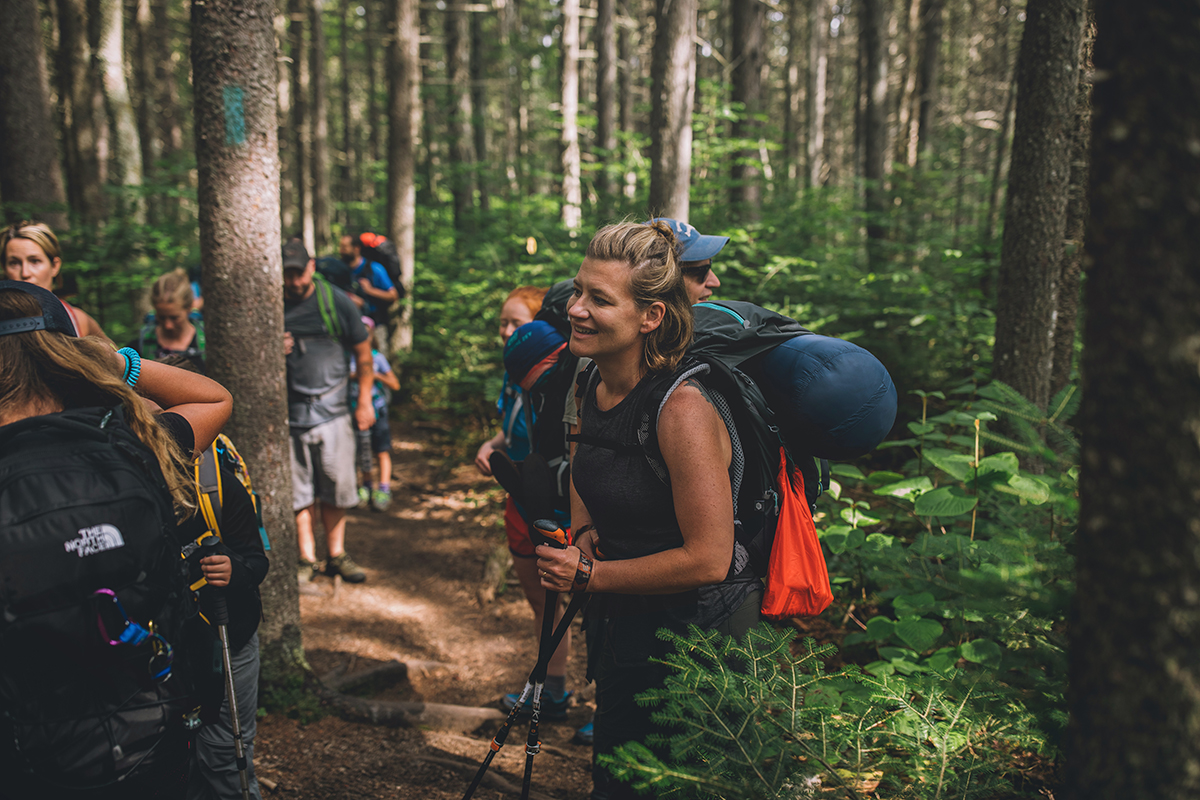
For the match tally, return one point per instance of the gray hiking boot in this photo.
(343, 565)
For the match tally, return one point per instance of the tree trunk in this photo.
(1066, 317)
(606, 95)
(322, 230)
(31, 180)
(479, 128)
(349, 148)
(507, 21)
(111, 54)
(795, 96)
(233, 64)
(818, 69)
(301, 124)
(749, 61)
(404, 121)
(170, 128)
(369, 37)
(625, 81)
(79, 120)
(1036, 210)
(927, 87)
(1134, 696)
(874, 126)
(673, 72)
(289, 204)
(905, 150)
(458, 76)
(572, 210)
(998, 173)
(143, 67)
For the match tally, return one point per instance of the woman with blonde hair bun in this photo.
(171, 330)
(656, 551)
(30, 253)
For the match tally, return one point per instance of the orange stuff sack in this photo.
(797, 580)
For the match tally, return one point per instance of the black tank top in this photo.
(634, 511)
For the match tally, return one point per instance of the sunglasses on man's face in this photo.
(696, 272)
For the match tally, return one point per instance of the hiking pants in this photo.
(215, 774)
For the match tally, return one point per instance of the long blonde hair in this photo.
(37, 232)
(41, 367)
(650, 251)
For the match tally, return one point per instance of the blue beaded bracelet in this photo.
(133, 365)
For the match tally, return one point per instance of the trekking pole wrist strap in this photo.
(583, 573)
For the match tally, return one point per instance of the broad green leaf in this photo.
(858, 518)
(847, 471)
(897, 443)
(834, 538)
(906, 667)
(854, 638)
(919, 429)
(906, 489)
(957, 465)
(1026, 487)
(883, 476)
(1000, 462)
(880, 668)
(880, 629)
(918, 633)
(893, 653)
(943, 660)
(982, 651)
(912, 605)
(948, 501)
(835, 490)
(855, 539)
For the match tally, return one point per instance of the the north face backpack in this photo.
(92, 599)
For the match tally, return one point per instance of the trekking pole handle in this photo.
(217, 604)
(550, 533)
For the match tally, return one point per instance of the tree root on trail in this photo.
(407, 714)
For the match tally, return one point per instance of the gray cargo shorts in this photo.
(323, 465)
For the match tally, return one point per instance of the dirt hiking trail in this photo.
(421, 605)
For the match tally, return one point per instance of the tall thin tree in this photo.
(319, 75)
(298, 44)
(606, 93)
(30, 172)
(1133, 668)
(1036, 209)
(818, 75)
(404, 122)
(462, 145)
(873, 34)
(128, 150)
(77, 87)
(749, 60)
(233, 64)
(673, 72)
(572, 207)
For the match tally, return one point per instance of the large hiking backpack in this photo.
(776, 442)
(378, 248)
(92, 601)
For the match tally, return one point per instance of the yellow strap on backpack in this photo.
(212, 495)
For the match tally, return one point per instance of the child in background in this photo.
(386, 382)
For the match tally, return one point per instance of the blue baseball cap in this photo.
(54, 318)
(693, 245)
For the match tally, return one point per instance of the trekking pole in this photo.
(547, 644)
(220, 620)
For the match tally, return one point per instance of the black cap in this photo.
(54, 318)
(295, 256)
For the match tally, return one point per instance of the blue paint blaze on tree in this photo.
(235, 115)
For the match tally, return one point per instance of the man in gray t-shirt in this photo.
(323, 331)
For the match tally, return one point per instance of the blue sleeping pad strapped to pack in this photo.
(831, 398)
(830, 394)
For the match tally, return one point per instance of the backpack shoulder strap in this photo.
(208, 482)
(328, 307)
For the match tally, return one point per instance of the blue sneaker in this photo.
(552, 710)
(586, 734)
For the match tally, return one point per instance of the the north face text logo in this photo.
(94, 540)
